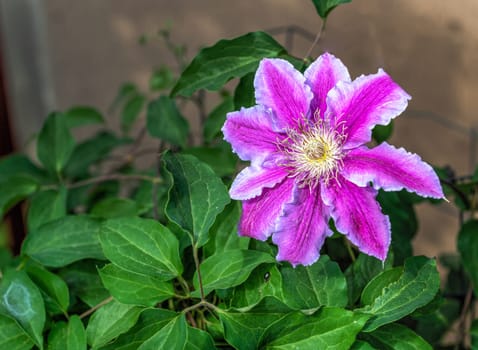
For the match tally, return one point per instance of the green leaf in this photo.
(330, 328)
(21, 299)
(81, 116)
(141, 246)
(46, 206)
(110, 321)
(19, 164)
(227, 59)
(415, 288)
(55, 290)
(216, 119)
(55, 143)
(468, 246)
(244, 95)
(162, 78)
(149, 323)
(198, 340)
(133, 288)
(172, 336)
(381, 133)
(63, 241)
(229, 269)
(196, 197)
(362, 345)
(218, 156)
(68, 336)
(375, 287)
(309, 287)
(396, 337)
(131, 111)
(112, 207)
(324, 7)
(14, 190)
(165, 121)
(125, 91)
(473, 334)
(12, 335)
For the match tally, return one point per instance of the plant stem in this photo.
(201, 303)
(350, 250)
(96, 307)
(198, 269)
(316, 40)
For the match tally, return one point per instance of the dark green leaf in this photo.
(216, 119)
(12, 335)
(63, 241)
(110, 321)
(55, 143)
(112, 207)
(218, 156)
(82, 115)
(309, 287)
(125, 91)
(244, 95)
(131, 111)
(198, 340)
(474, 335)
(362, 345)
(229, 269)
(376, 286)
(133, 288)
(172, 336)
(141, 246)
(68, 336)
(323, 7)
(165, 121)
(55, 290)
(19, 164)
(396, 337)
(468, 246)
(162, 78)
(196, 197)
(21, 299)
(46, 206)
(415, 288)
(149, 323)
(227, 59)
(14, 190)
(381, 133)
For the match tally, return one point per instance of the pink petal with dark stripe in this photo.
(322, 75)
(302, 228)
(358, 215)
(280, 87)
(259, 214)
(367, 101)
(391, 169)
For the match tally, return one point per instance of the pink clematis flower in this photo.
(309, 163)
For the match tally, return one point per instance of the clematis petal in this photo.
(250, 182)
(251, 133)
(279, 86)
(302, 228)
(358, 215)
(391, 169)
(259, 214)
(322, 75)
(367, 101)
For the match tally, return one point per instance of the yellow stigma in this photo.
(313, 154)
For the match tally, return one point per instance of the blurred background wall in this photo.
(61, 53)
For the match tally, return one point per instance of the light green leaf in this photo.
(321, 284)
(55, 143)
(375, 287)
(14, 190)
(19, 164)
(113, 207)
(198, 340)
(216, 119)
(110, 321)
(131, 110)
(46, 206)
(323, 7)
(12, 335)
(141, 246)
(362, 345)
(468, 246)
(21, 299)
(149, 323)
(162, 78)
(56, 294)
(81, 116)
(415, 288)
(227, 59)
(68, 336)
(133, 288)
(172, 336)
(229, 269)
(63, 241)
(396, 337)
(165, 121)
(196, 196)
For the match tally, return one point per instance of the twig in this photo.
(461, 323)
(201, 303)
(316, 40)
(96, 307)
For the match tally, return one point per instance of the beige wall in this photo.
(430, 47)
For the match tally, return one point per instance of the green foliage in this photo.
(323, 7)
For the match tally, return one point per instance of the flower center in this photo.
(313, 153)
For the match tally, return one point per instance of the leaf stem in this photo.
(320, 34)
(350, 250)
(96, 307)
(198, 269)
(201, 303)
